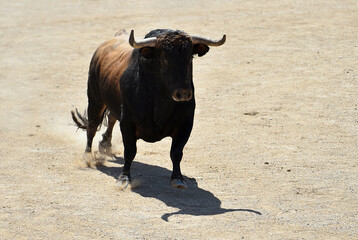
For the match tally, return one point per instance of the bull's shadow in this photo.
(154, 183)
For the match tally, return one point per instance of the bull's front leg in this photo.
(176, 154)
(130, 150)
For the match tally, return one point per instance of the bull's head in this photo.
(168, 57)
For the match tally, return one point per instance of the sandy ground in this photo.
(274, 149)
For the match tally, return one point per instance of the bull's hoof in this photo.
(105, 148)
(178, 183)
(89, 160)
(123, 182)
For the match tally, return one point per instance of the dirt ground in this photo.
(274, 149)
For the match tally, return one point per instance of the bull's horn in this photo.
(147, 42)
(207, 41)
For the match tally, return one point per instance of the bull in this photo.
(147, 85)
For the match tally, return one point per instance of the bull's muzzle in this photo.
(182, 95)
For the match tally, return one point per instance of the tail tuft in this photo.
(80, 119)
(121, 32)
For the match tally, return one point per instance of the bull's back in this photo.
(108, 64)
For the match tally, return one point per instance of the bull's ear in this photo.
(200, 49)
(147, 52)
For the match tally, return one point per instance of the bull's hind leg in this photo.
(95, 116)
(105, 146)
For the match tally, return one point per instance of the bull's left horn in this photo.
(207, 41)
(147, 42)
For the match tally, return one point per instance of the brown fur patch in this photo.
(110, 60)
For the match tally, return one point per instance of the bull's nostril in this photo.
(178, 95)
(181, 95)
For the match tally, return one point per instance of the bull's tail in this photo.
(81, 120)
(121, 32)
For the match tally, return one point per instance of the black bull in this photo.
(148, 86)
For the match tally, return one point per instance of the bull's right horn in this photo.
(207, 41)
(146, 42)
